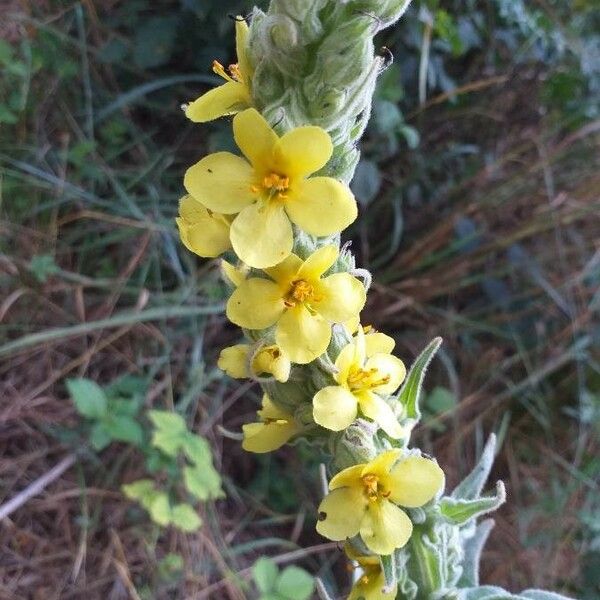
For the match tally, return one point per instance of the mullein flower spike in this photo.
(308, 69)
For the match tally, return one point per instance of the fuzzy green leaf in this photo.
(203, 482)
(184, 517)
(388, 566)
(124, 429)
(170, 433)
(265, 574)
(410, 392)
(88, 397)
(472, 484)
(295, 583)
(460, 511)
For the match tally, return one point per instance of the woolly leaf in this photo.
(473, 547)
(472, 484)
(461, 511)
(411, 390)
(388, 567)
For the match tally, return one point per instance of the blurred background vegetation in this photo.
(479, 188)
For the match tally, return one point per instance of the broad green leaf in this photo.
(160, 509)
(203, 482)
(265, 574)
(295, 583)
(118, 406)
(197, 449)
(124, 429)
(184, 517)
(99, 436)
(440, 400)
(141, 490)
(410, 392)
(88, 397)
(171, 431)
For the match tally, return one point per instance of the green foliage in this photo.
(292, 583)
(410, 392)
(113, 414)
(43, 266)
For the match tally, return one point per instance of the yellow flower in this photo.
(234, 95)
(268, 359)
(364, 371)
(202, 232)
(301, 303)
(272, 190)
(369, 586)
(364, 500)
(275, 428)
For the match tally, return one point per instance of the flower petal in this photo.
(388, 366)
(343, 296)
(255, 304)
(261, 235)
(234, 360)
(235, 275)
(415, 481)
(379, 343)
(241, 44)
(284, 272)
(221, 182)
(334, 407)
(371, 587)
(377, 409)
(382, 463)
(270, 359)
(321, 206)
(270, 410)
(202, 232)
(385, 527)
(318, 262)
(266, 437)
(345, 361)
(340, 513)
(225, 99)
(302, 336)
(255, 138)
(303, 151)
(347, 478)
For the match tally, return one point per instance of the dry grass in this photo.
(81, 539)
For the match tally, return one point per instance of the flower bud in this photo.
(356, 445)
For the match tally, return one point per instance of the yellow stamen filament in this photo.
(269, 421)
(360, 379)
(372, 487)
(234, 71)
(301, 292)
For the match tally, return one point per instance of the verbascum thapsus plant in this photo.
(301, 94)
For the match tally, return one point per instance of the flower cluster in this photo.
(298, 299)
